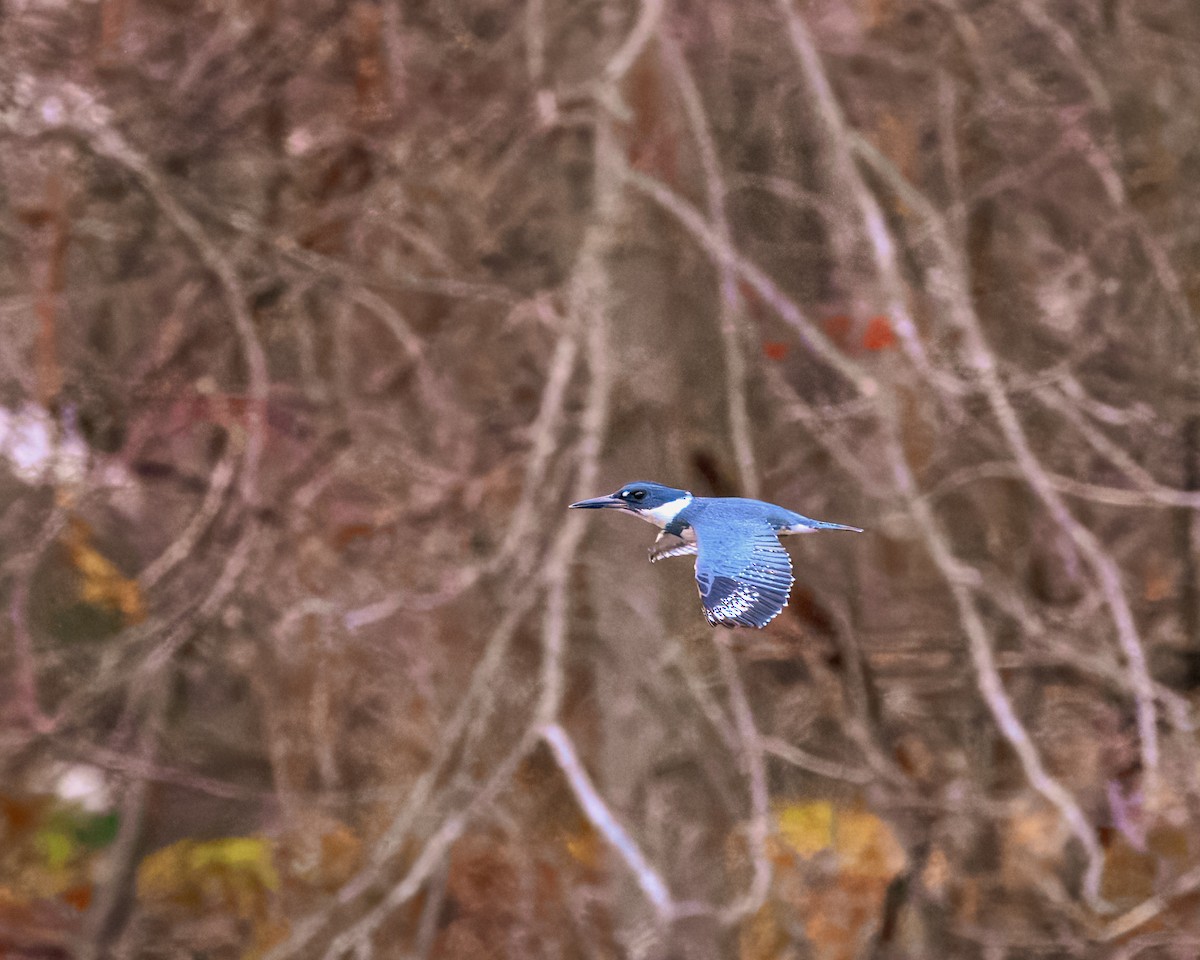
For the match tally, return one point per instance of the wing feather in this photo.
(668, 545)
(744, 578)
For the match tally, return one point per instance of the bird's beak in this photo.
(600, 503)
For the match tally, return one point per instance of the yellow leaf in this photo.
(248, 856)
(102, 584)
(833, 870)
(806, 828)
(864, 845)
(236, 872)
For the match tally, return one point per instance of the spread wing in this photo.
(744, 577)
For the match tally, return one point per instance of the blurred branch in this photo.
(366, 278)
(354, 936)
(545, 436)
(1114, 496)
(1152, 907)
(1067, 402)
(1064, 40)
(814, 764)
(732, 306)
(602, 819)
(387, 850)
(588, 299)
(723, 252)
(649, 13)
(220, 482)
(751, 759)
(73, 110)
(954, 572)
(110, 909)
(22, 568)
(849, 180)
(991, 686)
(535, 41)
(954, 289)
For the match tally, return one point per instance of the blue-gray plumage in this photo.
(743, 572)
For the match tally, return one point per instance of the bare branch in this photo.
(751, 757)
(649, 13)
(602, 819)
(849, 179)
(953, 288)
(951, 568)
(814, 764)
(732, 307)
(82, 116)
(725, 253)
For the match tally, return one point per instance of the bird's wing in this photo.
(668, 545)
(744, 578)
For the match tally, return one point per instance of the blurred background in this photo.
(314, 317)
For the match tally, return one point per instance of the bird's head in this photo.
(650, 501)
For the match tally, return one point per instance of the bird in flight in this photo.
(742, 570)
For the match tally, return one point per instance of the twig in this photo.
(82, 116)
(850, 181)
(1114, 496)
(990, 684)
(590, 298)
(426, 864)
(22, 568)
(751, 756)
(535, 41)
(1151, 908)
(732, 307)
(814, 764)
(954, 290)
(635, 42)
(107, 914)
(421, 797)
(470, 719)
(545, 431)
(598, 814)
(1066, 402)
(724, 252)
(219, 484)
(936, 541)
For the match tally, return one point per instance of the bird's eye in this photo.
(638, 494)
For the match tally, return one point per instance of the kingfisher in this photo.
(743, 573)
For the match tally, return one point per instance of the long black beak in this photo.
(599, 503)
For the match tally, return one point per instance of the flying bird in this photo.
(742, 570)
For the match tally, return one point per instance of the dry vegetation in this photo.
(316, 314)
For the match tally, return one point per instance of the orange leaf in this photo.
(775, 349)
(584, 846)
(21, 814)
(78, 896)
(879, 334)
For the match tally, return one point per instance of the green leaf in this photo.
(97, 830)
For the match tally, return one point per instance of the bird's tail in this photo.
(805, 525)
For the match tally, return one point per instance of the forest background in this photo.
(315, 315)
